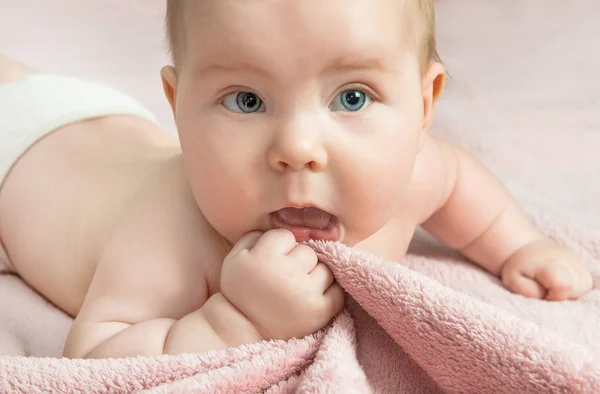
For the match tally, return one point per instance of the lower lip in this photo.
(330, 233)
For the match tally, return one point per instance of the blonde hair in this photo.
(425, 31)
(174, 22)
(423, 26)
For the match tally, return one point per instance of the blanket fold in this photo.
(401, 332)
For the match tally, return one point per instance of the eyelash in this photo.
(357, 86)
(234, 89)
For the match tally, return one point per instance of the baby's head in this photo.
(293, 104)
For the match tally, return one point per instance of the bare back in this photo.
(59, 202)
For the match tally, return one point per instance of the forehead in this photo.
(306, 30)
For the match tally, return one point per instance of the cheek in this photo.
(218, 166)
(215, 151)
(381, 171)
(384, 177)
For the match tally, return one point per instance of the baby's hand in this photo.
(544, 269)
(280, 286)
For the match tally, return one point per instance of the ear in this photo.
(168, 74)
(433, 83)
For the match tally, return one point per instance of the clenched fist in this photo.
(280, 286)
(546, 270)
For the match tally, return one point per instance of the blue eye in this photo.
(350, 100)
(244, 102)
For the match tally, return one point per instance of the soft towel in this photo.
(402, 331)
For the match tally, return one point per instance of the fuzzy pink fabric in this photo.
(523, 98)
(402, 331)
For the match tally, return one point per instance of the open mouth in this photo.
(307, 223)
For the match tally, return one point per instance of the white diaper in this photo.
(35, 106)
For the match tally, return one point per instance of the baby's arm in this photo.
(477, 216)
(150, 292)
(215, 325)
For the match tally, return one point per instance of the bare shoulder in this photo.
(432, 181)
(434, 177)
(162, 259)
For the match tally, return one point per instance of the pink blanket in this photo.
(403, 332)
(523, 99)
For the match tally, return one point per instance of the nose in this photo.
(297, 145)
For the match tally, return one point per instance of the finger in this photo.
(334, 299)
(556, 276)
(322, 277)
(520, 284)
(585, 283)
(277, 241)
(559, 279)
(246, 242)
(558, 294)
(305, 257)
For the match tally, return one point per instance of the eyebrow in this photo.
(230, 68)
(354, 64)
(344, 64)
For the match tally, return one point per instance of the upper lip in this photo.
(301, 205)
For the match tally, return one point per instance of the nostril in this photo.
(282, 165)
(317, 165)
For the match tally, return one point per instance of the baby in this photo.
(297, 120)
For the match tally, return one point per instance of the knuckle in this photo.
(288, 237)
(279, 236)
(306, 253)
(238, 260)
(306, 249)
(282, 233)
(509, 279)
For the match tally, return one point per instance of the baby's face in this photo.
(293, 104)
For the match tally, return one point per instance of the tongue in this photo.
(305, 217)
